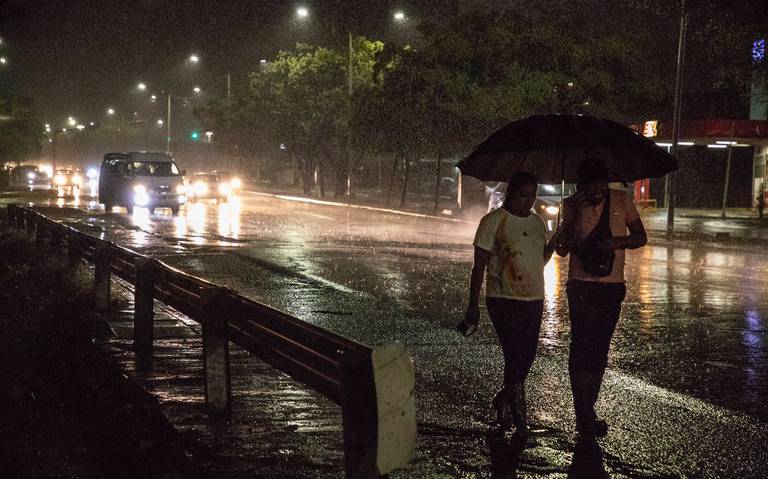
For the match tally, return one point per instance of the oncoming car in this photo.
(208, 186)
(142, 179)
(29, 177)
(68, 180)
(547, 203)
(230, 178)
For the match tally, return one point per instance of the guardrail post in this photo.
(218, 384)
(40, 231)
(55, 237)
(13, 215)
(359, 415)
(74, 249)
(144, 311)
(102, 270)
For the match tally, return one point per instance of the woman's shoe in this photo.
(503, 408)
(593, 428)
(519, 409)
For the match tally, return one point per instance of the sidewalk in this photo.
(279, 428)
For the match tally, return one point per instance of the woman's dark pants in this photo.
(517, 325)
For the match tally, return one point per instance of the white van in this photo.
(142, 179)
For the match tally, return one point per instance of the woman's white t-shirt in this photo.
(516, 266)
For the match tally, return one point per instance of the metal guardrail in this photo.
(373, 386)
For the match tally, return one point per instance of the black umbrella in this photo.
(552, 146)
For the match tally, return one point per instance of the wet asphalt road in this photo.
(688, 372)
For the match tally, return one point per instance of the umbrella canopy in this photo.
(552, 146)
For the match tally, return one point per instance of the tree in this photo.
(300, 101)
(21, 132)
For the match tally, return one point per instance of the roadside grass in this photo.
(66, 409)
(38, 290)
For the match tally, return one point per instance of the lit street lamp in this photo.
(110, 111)
(141, 86)
(302, 12)
(194, 58)
(3, 61)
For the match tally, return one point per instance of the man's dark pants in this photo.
(594, 310)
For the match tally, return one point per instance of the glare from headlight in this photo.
(140, 196)
(181, 189)
(59, 180)
(225, 189)
(92, 173)
(200, 188)
(31, 176)
(77, 179)
(552, 210)
(236, 183)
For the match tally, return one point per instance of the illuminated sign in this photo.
(650, 129)
(758, 51)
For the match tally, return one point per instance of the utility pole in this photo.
(728, 169)
(349, 119)
(671, 183)
(229, 91)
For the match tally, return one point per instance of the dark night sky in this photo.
(80, 56)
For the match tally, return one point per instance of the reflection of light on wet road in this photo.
(550, 322)
(229, 217)
(551, 283)
(140, 219)
(196, 222)
(180, 226)
(752, 337)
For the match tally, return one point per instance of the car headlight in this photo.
(200, 188)
(59, 180)
(181, 189)
(31, 176)
(77, 179)
(140, 195)
(552, 210)
(236, 183)
(225, 189)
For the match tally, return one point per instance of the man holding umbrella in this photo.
(594, 294)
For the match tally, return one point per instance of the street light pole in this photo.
(671, 183)
(168, 127)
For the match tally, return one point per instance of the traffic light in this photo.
(194, 135)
